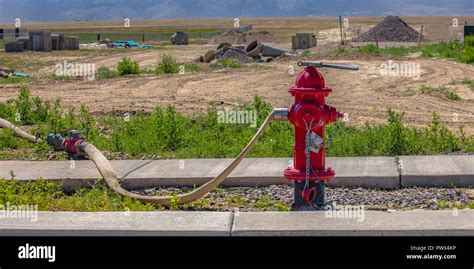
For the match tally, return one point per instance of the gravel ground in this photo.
(280, 197)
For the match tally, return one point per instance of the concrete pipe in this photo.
(271, 51)
(254, 48)
(209, 56)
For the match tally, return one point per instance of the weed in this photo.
(105, 73)
(305, 53)
(265, 203)
(469, 83)
(229, 62)
(167, 65)
(126, 67)
(174, 203)
(442, 91)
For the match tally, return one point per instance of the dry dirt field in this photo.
(365, 95)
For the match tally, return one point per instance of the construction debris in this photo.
(179, 38)
(24, 40)
(391, 29)
(233, 53)
(40, 41)
(303, 41)
(255, 51)
(14, 47)
(241, 37)
(72, 43)
(57, 41)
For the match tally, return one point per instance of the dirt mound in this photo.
(392, 28)
(240, 37)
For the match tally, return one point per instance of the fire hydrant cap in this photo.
(310, 78)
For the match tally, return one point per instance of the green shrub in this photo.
(468, 56)
(126, 67)
(469, 41)
(105, 73)
(167, 65)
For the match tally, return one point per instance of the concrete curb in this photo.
(182, 223)
(367, 172)
(437, 171)
(166, 223)
(374, 223)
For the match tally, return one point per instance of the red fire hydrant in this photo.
(310, 114)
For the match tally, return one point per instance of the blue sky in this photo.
(57, 10)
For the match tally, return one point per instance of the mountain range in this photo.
(70, 10)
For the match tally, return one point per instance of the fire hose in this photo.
(113, 181)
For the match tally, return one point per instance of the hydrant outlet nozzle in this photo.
(280, 114)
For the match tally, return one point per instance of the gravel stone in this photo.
(264, 198)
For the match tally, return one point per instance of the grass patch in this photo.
(167, 134)
(469, 83)
(455, 50)
(17, 80)
(3, 41)
(305, 53)
(451, 205)
(229, 62)
(49, 196)
(391, 51)
(441, 91)
(270, 205)
(106, 73)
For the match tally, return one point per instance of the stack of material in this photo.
(40, 41)
(71, 43)
(24, 40)
(303, 41)
(57, 41)
(14, 47)
(255, 51)
(391, 29)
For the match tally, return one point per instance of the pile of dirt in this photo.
(240, 37)
(391, 29)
